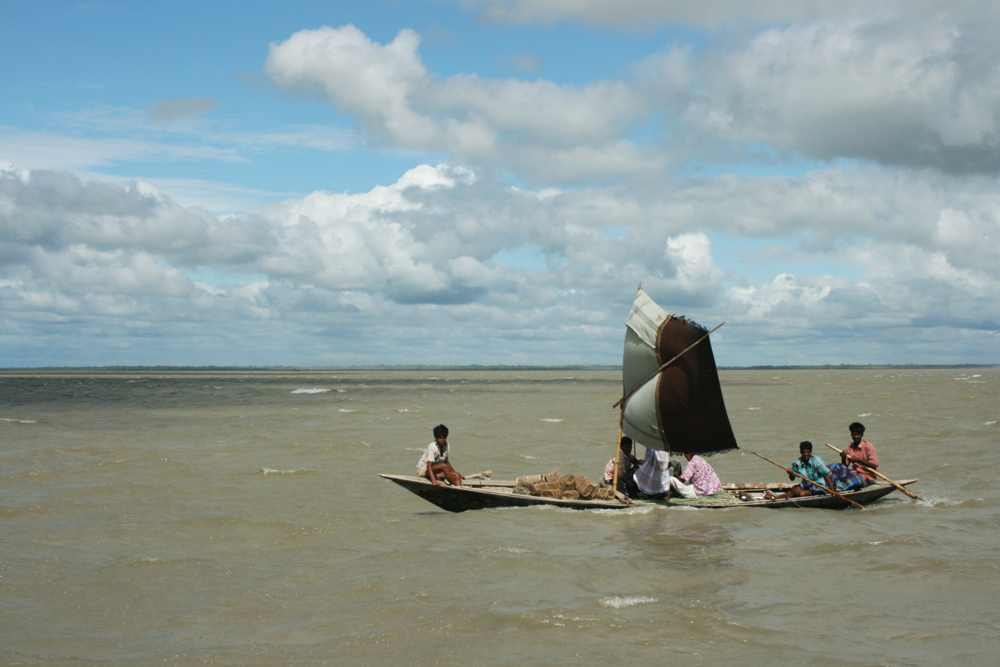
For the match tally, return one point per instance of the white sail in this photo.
(640, 361)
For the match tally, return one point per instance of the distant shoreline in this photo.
(471, 367)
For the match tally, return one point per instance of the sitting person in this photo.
(626, 464)
(860, 455)
(809, 466)
(653, 476)
(845, 479)
(698, 479)
(434, 463)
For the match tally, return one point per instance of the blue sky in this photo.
(487, 181)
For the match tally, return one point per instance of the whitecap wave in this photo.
(274, 471)
(627, 601)
(552, 421)
(515, 550)
(313, 390)
(345, 410)
(407, 410)
(753, 409)
(947, 502)
(18, 421)
(637, 510)
(991, 423)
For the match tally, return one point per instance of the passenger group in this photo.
(656, 476)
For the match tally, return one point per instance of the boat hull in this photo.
(485, 494)
(475, 495)
(864, 496)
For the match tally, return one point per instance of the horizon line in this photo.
(461, 367)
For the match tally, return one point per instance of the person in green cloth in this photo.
(810, 466)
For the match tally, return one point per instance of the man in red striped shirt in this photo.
(860, 454)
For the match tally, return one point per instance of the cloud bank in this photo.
(429, 258)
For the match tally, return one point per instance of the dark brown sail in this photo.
(692, 414)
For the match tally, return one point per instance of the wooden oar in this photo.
(898, 486)
(653, 374)
(618, 453)
(792, 472)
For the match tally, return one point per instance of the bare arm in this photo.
(861, 462)
(845, 459)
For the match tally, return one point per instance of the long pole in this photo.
(618, 453)
(653, 374)
(898, 486)
(792, 472)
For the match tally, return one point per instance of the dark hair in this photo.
(857, 427)
(626, 442)
(805, 444)
(440, 431)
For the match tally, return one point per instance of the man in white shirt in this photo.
(653, 476)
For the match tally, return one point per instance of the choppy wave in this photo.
(929, 501)
(637, 510)
(627, 601)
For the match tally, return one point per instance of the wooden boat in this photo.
(671, 401)
(483, 494)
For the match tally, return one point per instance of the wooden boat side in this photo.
(484, 494)
(864, 496)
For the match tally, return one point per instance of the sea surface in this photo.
(236, 518)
